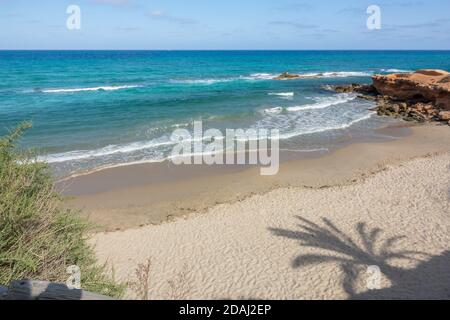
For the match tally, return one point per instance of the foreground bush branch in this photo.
(39, 239)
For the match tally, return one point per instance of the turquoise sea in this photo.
(101, 108)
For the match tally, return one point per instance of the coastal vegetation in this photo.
(39, 238)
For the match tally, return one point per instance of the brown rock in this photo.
(366, 89)
(419, 107)
(369, 98)
(444, 80)
(416, 115)
(403, 106)
(427, 86)
(395, 108)
(444, 115)
(420, 96)
(432, 73)
(428, 106)
(287, 76)
(432, 112)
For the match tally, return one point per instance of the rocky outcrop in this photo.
(354, 87)
(427, 86)
(420, 96)
(287, 76)
(419, 112)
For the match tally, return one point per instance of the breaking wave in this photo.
(325, 102)
(102, 88)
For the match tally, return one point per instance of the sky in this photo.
(224, 25)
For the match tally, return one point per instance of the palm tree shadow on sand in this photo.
(430, 279)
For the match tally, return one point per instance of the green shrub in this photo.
(39, 239)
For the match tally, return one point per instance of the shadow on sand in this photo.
(430, 279)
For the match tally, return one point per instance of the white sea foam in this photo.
(106, 151)
(275, 110)
(112, 150)
(259, 76)
(137, 146)
(346, 74)
(281, 94)
(102, 88)
(203, 81)
(325, 102)
(211, 81)
(328, 74)
(270, 76)
(337, 74)
(327, 128)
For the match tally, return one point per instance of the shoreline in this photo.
(381, 133)
(137, 195)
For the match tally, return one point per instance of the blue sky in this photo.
(225, 24)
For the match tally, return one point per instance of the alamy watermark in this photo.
(74, 279)
(73, 22)
(236, 146)
(374, 278)
(374, 20)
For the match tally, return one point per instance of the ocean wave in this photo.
(101, 88)
(80, 155)
(203, 81)
(259, 76)
(346, 74)
(325, 102)
(211, 81)
(270, 76)
(329, 128)
(106, 151)
(326, 74)
(336, 74)
(281, 94)
(115, 149)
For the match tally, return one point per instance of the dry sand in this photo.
(304, 243)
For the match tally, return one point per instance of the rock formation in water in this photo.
(287, 76)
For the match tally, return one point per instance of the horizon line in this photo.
(225, 49)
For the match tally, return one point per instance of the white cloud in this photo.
(160, 15)
(114, 2)
(157, 13)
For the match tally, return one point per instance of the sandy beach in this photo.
(370, 204)
(297, 243)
